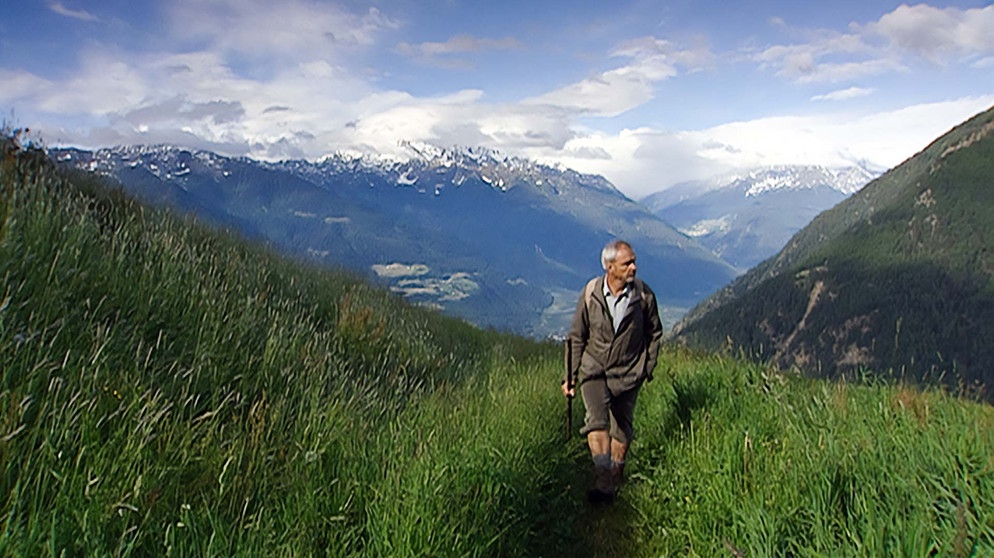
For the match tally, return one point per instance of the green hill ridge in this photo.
(898, 279)
(171, 390)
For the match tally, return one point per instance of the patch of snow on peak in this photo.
(363, 157)
(845, 180)
(769, 184)
(407, 179)
(851, 180)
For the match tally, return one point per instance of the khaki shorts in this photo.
(608, 411)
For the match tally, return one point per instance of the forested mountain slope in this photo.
(898, 279)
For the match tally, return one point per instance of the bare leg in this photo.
(618, 450)
(600, 442)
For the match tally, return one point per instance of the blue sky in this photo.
(647, 94)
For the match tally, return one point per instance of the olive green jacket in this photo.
(626, 358)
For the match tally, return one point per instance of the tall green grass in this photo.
(735, 458)
(170, 390)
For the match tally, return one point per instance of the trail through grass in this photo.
(170, 390)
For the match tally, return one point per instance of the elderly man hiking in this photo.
(614, 341)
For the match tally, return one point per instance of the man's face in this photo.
(623, 267)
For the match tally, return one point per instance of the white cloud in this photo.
(638, 161)
(462, 119)
(651, 51)
(103, 84)
(19, 85)
(888, 138)
(643, 161)
(937, 34)
(228, 63)
(234, 81)
(619, 90)
(609, 94)
(847, 71)
(890, 44)
(806, 62)
(196, 98)
(844, 94)
(61, 9)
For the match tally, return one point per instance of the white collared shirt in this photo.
(617, 305)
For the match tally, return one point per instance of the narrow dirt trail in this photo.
(577, 528)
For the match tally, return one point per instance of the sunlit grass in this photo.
(171, 390)
(735, 456)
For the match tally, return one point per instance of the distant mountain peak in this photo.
(746, 217)
(498, 240)
(895, 279)
(847, 180)
(444, 156)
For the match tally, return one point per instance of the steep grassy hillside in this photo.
(898, 278)
(169, 390)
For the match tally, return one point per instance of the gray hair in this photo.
(610, 251)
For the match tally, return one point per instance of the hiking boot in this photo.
(604, 488)
(597, 497)
(617, 473)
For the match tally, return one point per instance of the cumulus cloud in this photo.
(164, 97)
(935, 34)
(231, 81)
(638, 161)
(103, 83)
(645, 160)
(230, 78)
(462, 119)
(889, 44)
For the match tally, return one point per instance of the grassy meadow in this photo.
(171, 390)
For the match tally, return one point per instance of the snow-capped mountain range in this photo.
(497, 240)
(747, 217)
(846, 180)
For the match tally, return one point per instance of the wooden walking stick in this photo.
(569, 387)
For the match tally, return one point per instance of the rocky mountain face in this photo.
(748, 217)
(897, 280)
(499, 241)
